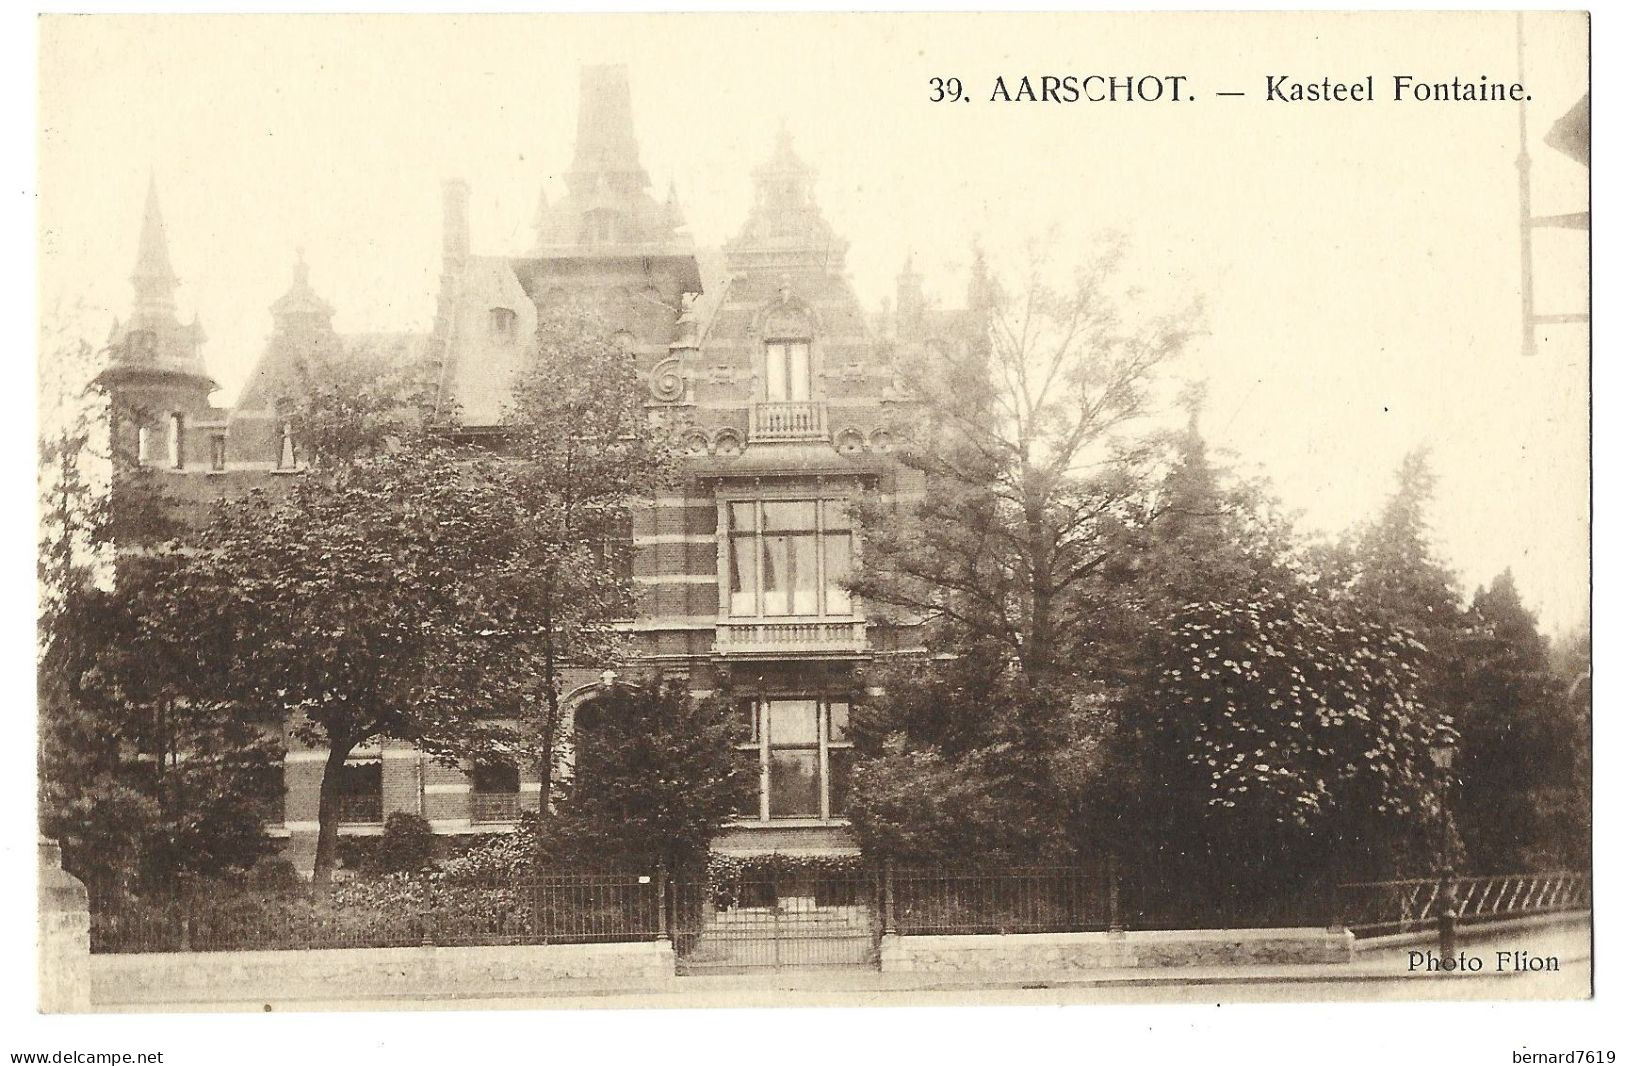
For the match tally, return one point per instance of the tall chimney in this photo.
(605, 143)
(454, 219)
(910, 300)
(453, 250)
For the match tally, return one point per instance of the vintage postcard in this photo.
(719, 510)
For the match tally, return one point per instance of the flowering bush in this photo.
(1288, 718)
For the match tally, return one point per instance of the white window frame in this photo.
(757, 538)
(177, 440)
(779, 353)
(762, 745)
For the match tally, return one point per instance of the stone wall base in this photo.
(367, 973)
(1045, 953)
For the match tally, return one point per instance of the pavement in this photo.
(1381, 972)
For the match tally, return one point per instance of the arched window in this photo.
(504, 324)
(143, 445)
(286, 457)
(177, 441)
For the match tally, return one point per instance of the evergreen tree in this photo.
(1397, 575)
(658, 773)
(1522, 742)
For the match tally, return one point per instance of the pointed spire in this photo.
(154, 278)
(674, 209)
(153, 338)
(784, 151)
(607, 207)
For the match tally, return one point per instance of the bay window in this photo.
(788, 558)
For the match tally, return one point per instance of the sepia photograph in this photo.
(661, 511)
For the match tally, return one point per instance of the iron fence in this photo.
(1157, 897)
(1025, 899)
(807, 918)
(1376, 908)
(391, 912)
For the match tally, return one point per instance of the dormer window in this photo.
(504, 324)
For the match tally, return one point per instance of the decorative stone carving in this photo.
(849, 441)
(853, 373)
(881, 441)
(728, 443)
(695, 442)
(722, 374)
(667, 381)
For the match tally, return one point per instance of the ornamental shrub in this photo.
(407, 846)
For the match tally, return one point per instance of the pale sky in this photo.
(1358, 262)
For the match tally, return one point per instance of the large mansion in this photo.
(760, 350)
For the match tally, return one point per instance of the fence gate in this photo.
(812, 920)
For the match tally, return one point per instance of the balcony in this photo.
(494, 806)
(800, 420)
(750, 638)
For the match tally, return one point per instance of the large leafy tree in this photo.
(585, 453)
(385, 597)
(1030, 435)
